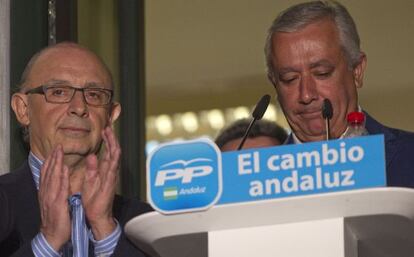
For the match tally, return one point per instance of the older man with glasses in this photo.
(63, 198)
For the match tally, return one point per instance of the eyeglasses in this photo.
(64, 94)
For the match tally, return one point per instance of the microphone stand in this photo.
(328, 129)
(327, 113)
(257, 114)
(246, 133)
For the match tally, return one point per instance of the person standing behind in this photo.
(313, 53)
(264, 133)
(63, 198)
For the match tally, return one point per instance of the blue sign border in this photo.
(180, 142)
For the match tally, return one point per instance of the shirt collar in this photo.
(35, 165)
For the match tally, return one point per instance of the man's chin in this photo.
(314, 131)
(312, 138)
(76, 151)
(312, 135)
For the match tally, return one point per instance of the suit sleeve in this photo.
(24, 251)
(124, 210)
(9, 245)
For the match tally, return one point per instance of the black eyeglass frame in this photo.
(43, 88)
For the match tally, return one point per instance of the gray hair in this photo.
(301, 15)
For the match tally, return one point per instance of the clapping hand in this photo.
(53, 200)
(99, 186)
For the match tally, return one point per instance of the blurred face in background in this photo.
(251, 142)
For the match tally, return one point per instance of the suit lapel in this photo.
(26, 205)
(390, 139)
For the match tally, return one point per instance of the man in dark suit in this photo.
(313, 53)
(63, 198)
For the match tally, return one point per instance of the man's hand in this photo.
(53, 200)
(99, 186)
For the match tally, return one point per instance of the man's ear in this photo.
(114, 112)
(359, 71)
(19, 106)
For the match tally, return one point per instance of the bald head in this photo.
(69, 49)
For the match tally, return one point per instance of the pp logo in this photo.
(184, 176)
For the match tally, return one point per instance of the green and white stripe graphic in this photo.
(170, 193)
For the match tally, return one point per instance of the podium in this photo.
(360, 223)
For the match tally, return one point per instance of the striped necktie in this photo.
(80, 238)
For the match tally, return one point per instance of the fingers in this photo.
(112, 145)
(44, 174)
(108, 145)
(47, 174)
(111, 159)
(100, 183)
(53, 195)
(64, 192)
(101, 175)
(54, 177)
(54, 171)
(91, 166)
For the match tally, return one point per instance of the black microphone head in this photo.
(327, 110)
(261, 107)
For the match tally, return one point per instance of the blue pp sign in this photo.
(311, 168)
(184, 176)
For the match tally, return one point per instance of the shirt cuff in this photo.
(106, 246)
(41, 247)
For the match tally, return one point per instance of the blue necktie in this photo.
(80, 238)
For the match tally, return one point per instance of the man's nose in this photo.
(78, 105)
(308, 91)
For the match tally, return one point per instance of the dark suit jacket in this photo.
(6, 218)
(21, 192)
(399, 147)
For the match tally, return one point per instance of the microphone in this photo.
(327, 113)
(257, 114)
